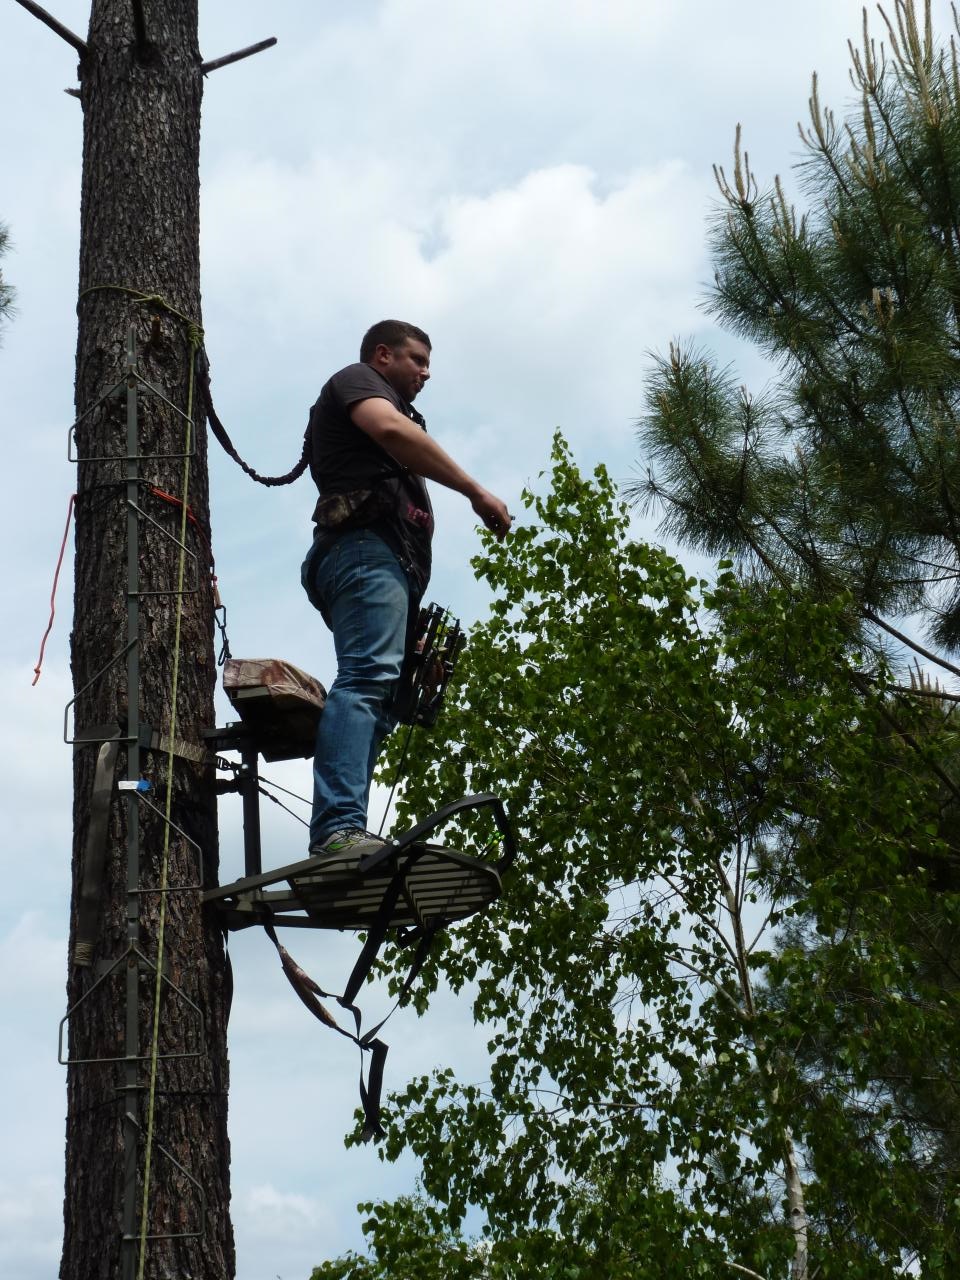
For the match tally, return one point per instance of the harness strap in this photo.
(179, 747)
(93, 734)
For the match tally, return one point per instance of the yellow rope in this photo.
(151, 299)
(195, 337)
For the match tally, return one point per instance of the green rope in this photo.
(195, 337)
(150, 299)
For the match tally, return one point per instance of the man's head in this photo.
(400, 352)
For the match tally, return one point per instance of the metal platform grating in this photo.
(435, 883)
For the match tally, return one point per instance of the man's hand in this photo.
(492, 512)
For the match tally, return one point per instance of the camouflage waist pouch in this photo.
(352, 509)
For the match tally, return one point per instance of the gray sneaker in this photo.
(349, 841)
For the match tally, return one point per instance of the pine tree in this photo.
(844, 475)
(840, 481)
(141, 84)
(7, 294)
(147, 1155)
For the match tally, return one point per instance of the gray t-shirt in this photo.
(345, 460)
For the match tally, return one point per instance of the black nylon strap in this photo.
(95, 853)
(375, 936)
(308, 991)
(416, 964)
(370, 1094)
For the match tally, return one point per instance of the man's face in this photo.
(406, 367)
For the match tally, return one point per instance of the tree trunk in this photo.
(141, 88)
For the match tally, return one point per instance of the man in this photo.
(370, 561)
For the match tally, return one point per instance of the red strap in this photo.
(176, 502)
(53, 591)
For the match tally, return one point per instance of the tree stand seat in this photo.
(279, 705)
(279, 708)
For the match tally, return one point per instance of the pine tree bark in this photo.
(141, 89)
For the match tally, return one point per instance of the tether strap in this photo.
(220, 431)
(309, 991)
(375, 938)
(178, 747)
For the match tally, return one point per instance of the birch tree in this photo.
(692, 769)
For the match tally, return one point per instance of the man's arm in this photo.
(420, 453)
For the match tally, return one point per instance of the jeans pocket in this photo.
(317, 560)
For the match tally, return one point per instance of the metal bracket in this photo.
(103, 966)
(133, 955)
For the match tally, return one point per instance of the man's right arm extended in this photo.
(420, 453)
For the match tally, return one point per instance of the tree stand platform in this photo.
(410, 888)
(410, 883)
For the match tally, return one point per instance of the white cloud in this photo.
(520, 288)
(283, 1233)
(274, 1214)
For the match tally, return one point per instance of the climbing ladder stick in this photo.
(127, 1214)
(50, 21)
(131, 1084)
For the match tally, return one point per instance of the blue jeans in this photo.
(364, 596)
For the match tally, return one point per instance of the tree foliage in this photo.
(842, 477)
(682, 791)
(844, 474)
(7, 293)
(722, 984)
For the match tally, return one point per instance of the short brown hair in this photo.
(390, 333)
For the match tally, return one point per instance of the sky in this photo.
(528, 180)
